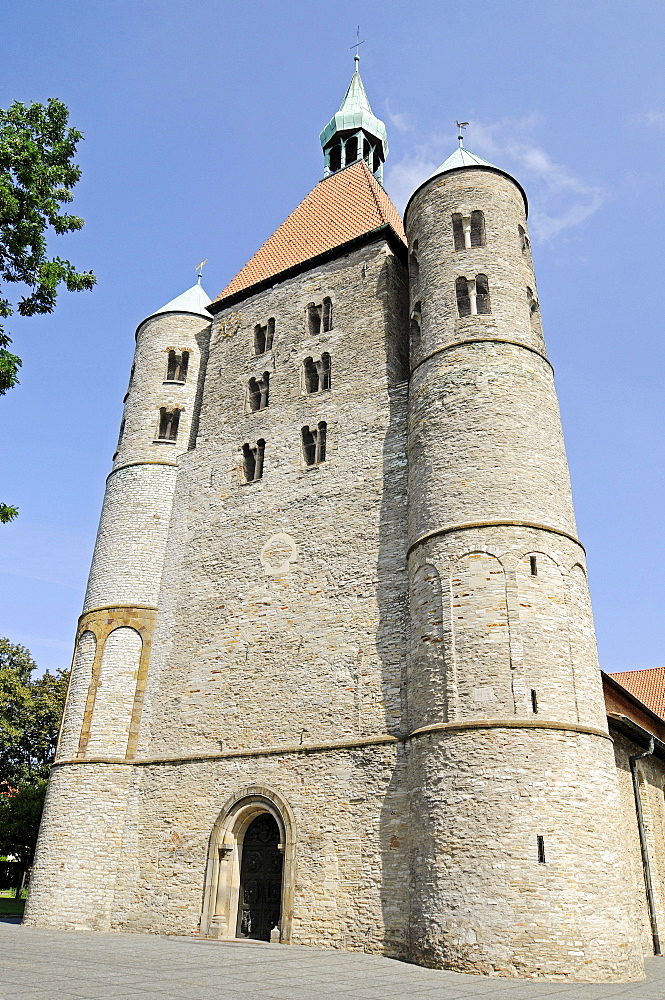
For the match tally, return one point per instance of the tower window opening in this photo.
(253, 460)
(532, 300)
(120, 435)
(314, 319)
(317, 374)
(168, 424)
(376, 165)
(176, 369)
(482, 295)
(335, 158)
(415, 327)
(463, 298)
(314, 443)
(260, 333)
(533, 562)
(270, 334)
(327, 315)
(541, 849)
(524, 239)
(352, 149)
(414, 270)
(258, 392)
(367, 152)
(534, 701)
(477, 229)
(458, 232)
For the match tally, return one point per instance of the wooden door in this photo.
(260, 899)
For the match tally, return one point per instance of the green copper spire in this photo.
(354, 133)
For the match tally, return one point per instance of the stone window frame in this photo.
(313, 443)
(177, 366)
(257, 396)
(264, 337)
(314, 373)
(469, 299)
(469, 230)
(163, 425)
(319, 317)
(253, 461)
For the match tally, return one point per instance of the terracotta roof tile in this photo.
(646, 685)
(340, 208)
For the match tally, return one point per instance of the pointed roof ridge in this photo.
(194, 300)
(342, 207)
(356, 94)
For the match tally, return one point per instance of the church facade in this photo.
(335, 681)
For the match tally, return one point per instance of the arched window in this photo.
(314, 319)
(458, 232)
(270, 334)
(253, 460)
(314, 443)
(327, 315)
(477, 229)
(260, 339)
(168, 424)
(335, 161)
(462, 294)
(524, 239)
(323, 368)
(482, 295)
(176, 370)
(352, 149)
(311, 376)
(258, 391)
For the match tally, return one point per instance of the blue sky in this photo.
(201, 124)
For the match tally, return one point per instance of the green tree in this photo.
(37, 175)
(30, 713)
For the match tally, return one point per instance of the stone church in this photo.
(335, 681)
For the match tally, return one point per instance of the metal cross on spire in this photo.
(199, 269)
(460, 136)
(357, 45)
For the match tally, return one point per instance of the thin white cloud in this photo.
(655, 119)
(559, 199)
(401, 121)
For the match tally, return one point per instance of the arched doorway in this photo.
(250, 875)
(261, 864)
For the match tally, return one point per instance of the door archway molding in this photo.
(222, 883)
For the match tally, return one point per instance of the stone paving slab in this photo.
(39, 964)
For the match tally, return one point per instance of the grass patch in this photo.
(10, 907)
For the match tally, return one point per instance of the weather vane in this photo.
(357, 44)
(460, 126)
(199, 269)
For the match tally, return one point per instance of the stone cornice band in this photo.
(491, 524)
(348, 744)
(130, 465)
(483, 340)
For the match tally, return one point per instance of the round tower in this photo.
(515, 869)
(115, 629)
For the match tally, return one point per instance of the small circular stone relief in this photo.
(278, 553)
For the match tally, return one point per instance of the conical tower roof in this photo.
(462, 158)
(355, 113)
(194, 300)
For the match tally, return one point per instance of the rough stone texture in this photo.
(391, 676)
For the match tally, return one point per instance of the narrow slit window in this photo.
(314, 319)
(258, 392)
(524, 239)
(323, 370)
(121, 434)
(477, 229)
(327, 315)
(533, 563)
(458, 232)
(168, 424)
(463, 299)
(541, 849)
(311, 376)
(483, 295)
(270, 334)
(176, 369)
(414, 270)
(534, 701)
(260, 339)
(335, 158)
(415, 326)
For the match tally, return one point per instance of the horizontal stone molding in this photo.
(131, 465)
(118, 607)
(381, 739)
(482, 340)
(469, 525)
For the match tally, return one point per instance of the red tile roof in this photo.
(342, 207)
(646, 685)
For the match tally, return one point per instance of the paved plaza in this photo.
(55, 965)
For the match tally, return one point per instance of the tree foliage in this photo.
(37, 175)
(30, 713)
